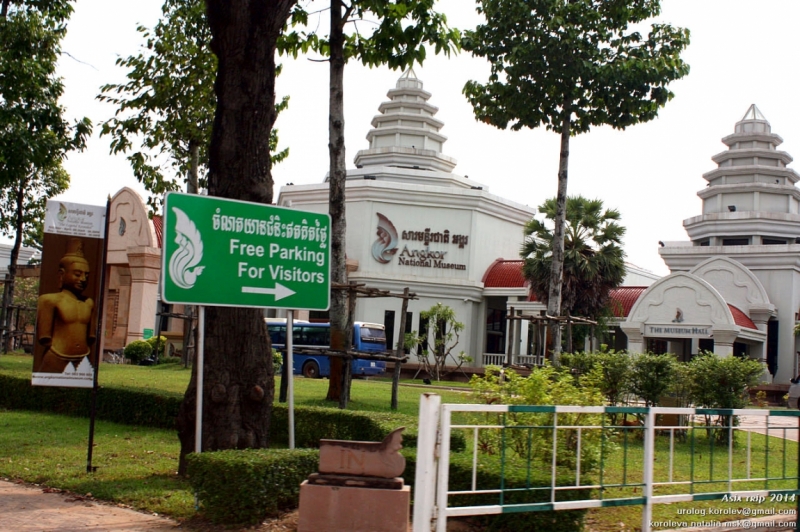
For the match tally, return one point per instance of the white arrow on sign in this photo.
(279, 291)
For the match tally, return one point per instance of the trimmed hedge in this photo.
(244, 487)
(314, 423)
(139, 407)
(119, 405)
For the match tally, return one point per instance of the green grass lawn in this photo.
(710, 473)
(370, 395)
(137, 466)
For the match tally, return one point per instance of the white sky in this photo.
(742, 52)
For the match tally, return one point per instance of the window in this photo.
(277, 334)
(409, 317)
(656, 346)
(736, 241)
(388, 324)
(773, 241)
(319, 316)
(496, 331)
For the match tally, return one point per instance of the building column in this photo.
(523, 336)
(633, 331)
(145, 265)
(723, 341)
(760, 316)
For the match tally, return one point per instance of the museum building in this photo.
(412, 222)
(734, 286)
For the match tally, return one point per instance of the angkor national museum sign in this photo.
(413, 254)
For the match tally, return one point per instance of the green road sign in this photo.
(233, 253)
(147, 334)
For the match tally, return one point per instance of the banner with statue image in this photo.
(66, 349)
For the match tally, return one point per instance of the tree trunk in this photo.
(557, 267)
(401, 344)
(569, 333)
(340, 335)
(8, 293)
(239, 380)
(192, 182)
(347, 368)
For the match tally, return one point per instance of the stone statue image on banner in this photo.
(64, 319)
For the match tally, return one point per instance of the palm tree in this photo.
(594, 262)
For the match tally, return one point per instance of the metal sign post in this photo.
(290, 372)
(198, 423)
(224, 252)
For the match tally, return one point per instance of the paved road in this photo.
(779, 426)
(25, 509)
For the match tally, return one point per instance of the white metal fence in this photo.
(751, 459)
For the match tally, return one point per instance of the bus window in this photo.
(317, 336)
(368, 334)
(277, 334)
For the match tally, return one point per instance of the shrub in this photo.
(544, 386)
(137, 350)
(119, 405)
(157, 344)
(236, 487)
(717, 382)
(652, 376)
(171, 360)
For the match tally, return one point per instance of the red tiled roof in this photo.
(504, 274)
(158, 225)
(741, 319)
(623, 298)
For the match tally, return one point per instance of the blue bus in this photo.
(367, 337)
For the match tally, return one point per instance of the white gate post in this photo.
(425, 477)
(649, 457)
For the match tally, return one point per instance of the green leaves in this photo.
(34, 136)
(594, 261)
(166, 108)
(543, 51)
(379, 32)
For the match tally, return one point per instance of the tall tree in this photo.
(167, 104)
(34, 136)
(402, 30)
(239, 382)
(594, 262)
(569, 65)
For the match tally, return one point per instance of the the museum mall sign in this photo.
(678, 331)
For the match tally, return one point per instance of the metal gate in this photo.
(748, 460)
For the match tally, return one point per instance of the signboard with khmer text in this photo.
(233, 253)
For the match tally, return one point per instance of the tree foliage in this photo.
(594, 262)
(569, 66)
(34, 135)
(546, 385)
(397, 38)
(435, 346)
(166, 107)
(394, 34)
